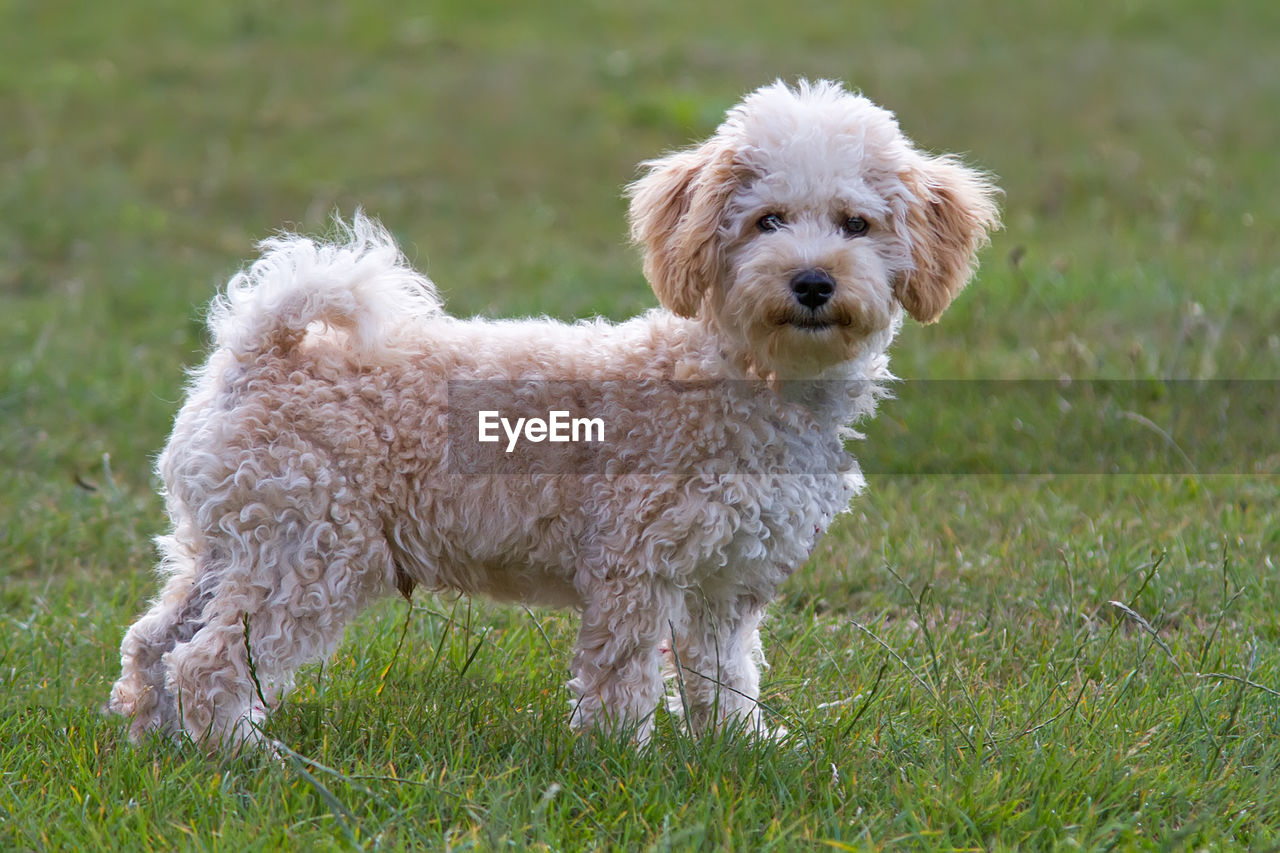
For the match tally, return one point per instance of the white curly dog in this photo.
(313, 467)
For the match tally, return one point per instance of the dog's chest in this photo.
(779, 513)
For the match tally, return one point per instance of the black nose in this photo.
(813, 288)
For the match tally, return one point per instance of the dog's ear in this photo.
(675, 215)
(951, 210)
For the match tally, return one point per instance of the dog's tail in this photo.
(359, 284)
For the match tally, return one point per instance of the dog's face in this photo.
(805, 226)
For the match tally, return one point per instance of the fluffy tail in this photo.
(360, 284)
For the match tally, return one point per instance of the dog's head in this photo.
(806, 224)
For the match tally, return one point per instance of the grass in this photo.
(969, 660)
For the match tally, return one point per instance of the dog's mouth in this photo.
(810, 323)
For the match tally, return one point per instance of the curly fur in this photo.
(310, 472)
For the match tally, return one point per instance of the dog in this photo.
(318, 462)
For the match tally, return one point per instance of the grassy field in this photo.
(969, 660)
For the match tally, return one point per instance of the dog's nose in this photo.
(813, 288)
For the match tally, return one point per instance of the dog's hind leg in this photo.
(290, 589)
(174, 617)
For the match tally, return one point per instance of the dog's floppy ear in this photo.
(675, 216)
(950, 211)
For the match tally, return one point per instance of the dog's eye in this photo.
(855, 226)
(769, 222)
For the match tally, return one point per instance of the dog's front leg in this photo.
(719, 657)
(617, 666)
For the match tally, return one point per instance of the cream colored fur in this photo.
(309, 471)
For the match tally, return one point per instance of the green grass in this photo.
(967, 661)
